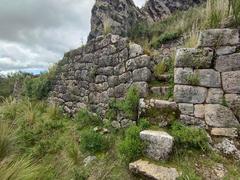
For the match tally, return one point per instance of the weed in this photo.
(131, 147)
(144, 123)
(160, 69)
(189, 137)
(93, 142)
(193, 79)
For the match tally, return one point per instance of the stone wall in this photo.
(207, 82)
(103, 69)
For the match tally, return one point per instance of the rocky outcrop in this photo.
(116, 16)
(160, 9)
(207, 82)
(152, 171)
(103, 69)
(119, 16)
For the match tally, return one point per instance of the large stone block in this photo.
(138, 62)
(194, 121)
(228, 63)
(160, 144)
(217, 115)
(158, 112)
(190, 94)
(152, 171)
(199, 111)
(224, 50)
(142, 88)
(231, 82)
(215, 96)
(143, 74)
(218, 37)
(233, 101)
(195, 58)
(208, 78)
(186, 109)
(227, 132)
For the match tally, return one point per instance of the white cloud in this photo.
(34, 34)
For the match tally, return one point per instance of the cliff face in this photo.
(160, 9)
(115, 16)
(119, 16)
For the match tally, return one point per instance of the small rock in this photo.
(160, 144)
(228, 132)
(152, 171)
(116, 124)
(97, 129)
(228, 148)
(88, 160)
(135, 50)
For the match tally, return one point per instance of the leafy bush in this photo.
(93, 142)
(85, 118)
(131, 147)
(189, 137)
(130, 103)
(144, 124)
(39, 87)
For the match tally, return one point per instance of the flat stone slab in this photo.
(208, 78)
(218, 37)
(217, 115)
(189, 94)
(215, 96)
(227, 132)
(195, 58)
(159, 144)
(228, 63)
(152, 171)
(231, 82)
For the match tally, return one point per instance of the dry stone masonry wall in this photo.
(207, 82)
(103, 69)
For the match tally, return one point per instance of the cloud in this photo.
(35, 33)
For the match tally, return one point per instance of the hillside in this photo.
(153, 94)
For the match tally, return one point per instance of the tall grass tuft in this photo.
(6, 140)
(20, 169)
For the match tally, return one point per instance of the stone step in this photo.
(151, 171)
(158, 112)
(159, 144)
(160, 90)
(163, 77)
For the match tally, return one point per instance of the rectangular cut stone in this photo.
(227, 132)
(208, 77)
(152, 171)
(186, 109)
(218, 37)
(231, 82)
(160, 144)
(215, 96)
(228, 63)
(233, 101)
(190, 120)
(217, 115)
(190, 94)
(195, 58)
(224, 50)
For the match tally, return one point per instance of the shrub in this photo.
(130, 103)
(144, 124)
(86, 118)
(131, 147)
(93, 142)
(189, 137)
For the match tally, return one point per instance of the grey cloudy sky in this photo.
(35, 33)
